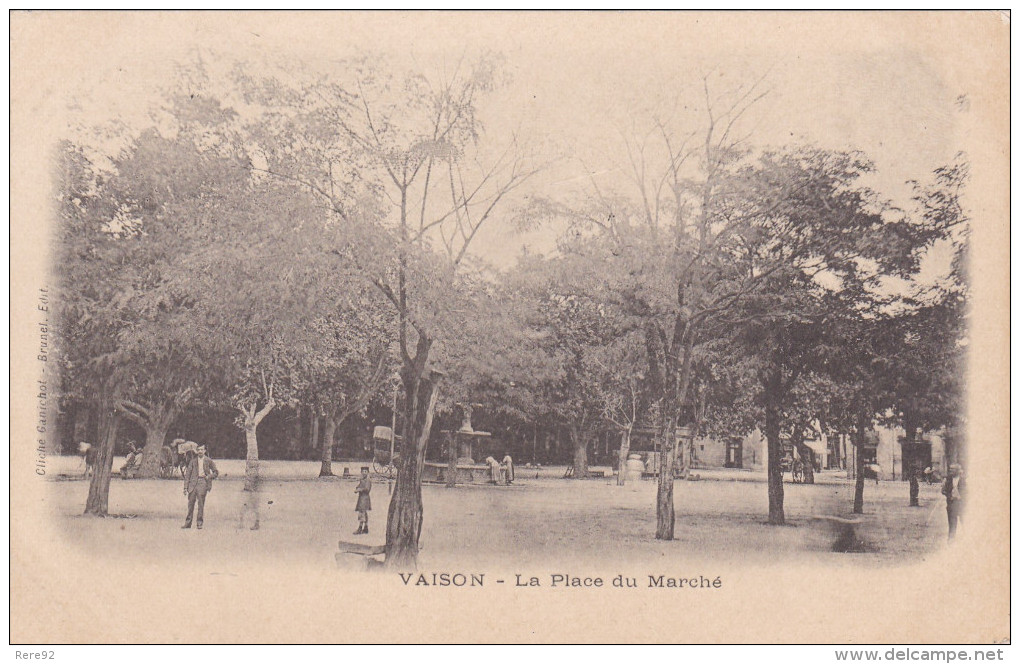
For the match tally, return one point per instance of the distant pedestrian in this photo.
(198, 480)
(953, 489)
(89, 454)
(508, 467)
(364, 504)
(915, 488)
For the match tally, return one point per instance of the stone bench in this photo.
(358, 556)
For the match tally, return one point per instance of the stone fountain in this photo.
(461, 466)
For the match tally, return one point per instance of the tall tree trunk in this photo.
(98, 501)
(451, 459)
(807, 456)
(326, 458)
(777, 516)
(684, 456)
(621, 477)
(849, 460)
(404, 517)
(251, 420)
(250, 515)
(313, 432)
(294, 435)
(837, 455)
(251, 459)
(82, 415)
(155, 436)
(862, 427)
(665, 514)
(674, 380)
(579, 439)
(161, 416)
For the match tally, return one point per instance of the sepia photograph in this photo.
(509, 327)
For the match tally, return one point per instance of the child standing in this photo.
(364, 501)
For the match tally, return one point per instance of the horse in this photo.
(179, 459)
(167, 463)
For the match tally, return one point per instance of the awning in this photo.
(817, 446)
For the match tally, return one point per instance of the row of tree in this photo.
(310, 244)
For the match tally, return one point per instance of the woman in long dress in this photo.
(508, 468)
(493, 469)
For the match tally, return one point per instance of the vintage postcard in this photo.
(509, 327)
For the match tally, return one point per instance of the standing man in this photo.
(953, 489)
(364, 503)
(197, 483)
(89, 453)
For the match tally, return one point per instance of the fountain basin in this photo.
(467, 473)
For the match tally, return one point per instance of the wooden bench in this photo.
(358, 556)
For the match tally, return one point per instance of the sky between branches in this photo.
(578, 84)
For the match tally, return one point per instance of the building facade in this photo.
(886, 451)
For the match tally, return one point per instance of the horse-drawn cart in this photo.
(384, 455)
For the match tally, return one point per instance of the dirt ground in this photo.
(540, 519)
